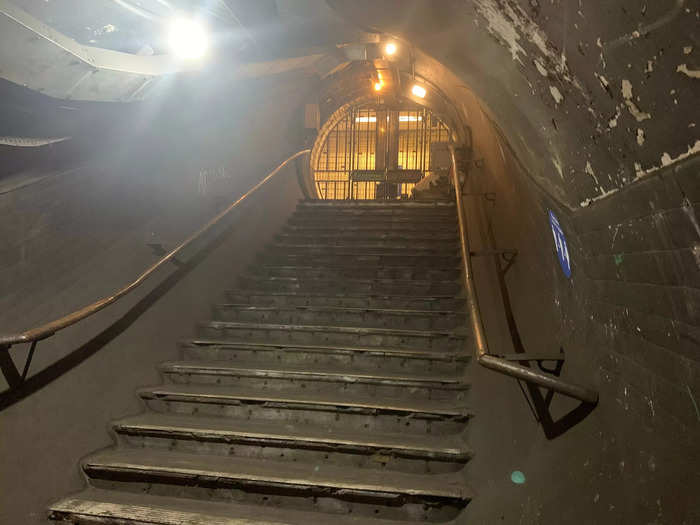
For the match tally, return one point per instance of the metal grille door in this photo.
(377, 152)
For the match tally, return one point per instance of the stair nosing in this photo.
(275, 473)
(221, 367)
(330, 328)
(389, 311)
(271, 293)
(450, 447)
(211, 392)
(171, 510)
(402, 352)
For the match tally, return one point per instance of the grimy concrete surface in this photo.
(635, 458)
(45, 434)
(145, 183)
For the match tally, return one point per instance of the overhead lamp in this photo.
(390, 48)
(188, 38)
(418, 91)
(378, 86)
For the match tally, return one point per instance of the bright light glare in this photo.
(188, 38)
(377, 86)
(418, 91)
(390, 48)
(410, 118)
(366, 119)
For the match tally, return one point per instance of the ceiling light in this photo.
(377, 86)
(390, 48)
(418, 91)
(188, 38)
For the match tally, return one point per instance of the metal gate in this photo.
(376, 152)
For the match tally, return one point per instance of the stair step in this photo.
(94, 506)
(348, 335)
(376, 286)
(367, 413)
(390, 212)
(399, 359)
(355, 271)
(247, 479)
(274, 435)
(368, 317)
(403, 243)
(309, 224)
(338, 204)
(419, 260)
(436, 239)
(243, 369)
(446, 215)
(271, 377)
(374, 234)
(354, 250)
(350, 300)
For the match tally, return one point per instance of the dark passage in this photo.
(366, 262)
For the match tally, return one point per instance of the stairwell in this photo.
(330, 386)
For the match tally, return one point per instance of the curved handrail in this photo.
(482, 352)
(50, 328)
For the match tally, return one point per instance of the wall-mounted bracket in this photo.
(8, 368)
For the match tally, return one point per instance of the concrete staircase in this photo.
(329, 387)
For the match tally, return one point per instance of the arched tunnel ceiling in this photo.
(592, 96)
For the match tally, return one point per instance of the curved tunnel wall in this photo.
(627, 318)
(587, 112)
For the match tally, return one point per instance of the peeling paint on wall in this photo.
(510, 24)
(667, 160)
(540, 67)
(640, 136)
(631, 106)
(692, 73)
(556, 94)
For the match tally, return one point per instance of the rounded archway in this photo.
(376, 150)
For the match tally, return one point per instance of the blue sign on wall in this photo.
(560, 244)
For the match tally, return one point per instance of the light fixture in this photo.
(378, 86)
(390, 48)
(188, 38)
(418, 91)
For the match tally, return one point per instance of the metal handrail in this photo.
(482, 352)
(48, 329)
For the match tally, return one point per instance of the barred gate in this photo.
(376, 152)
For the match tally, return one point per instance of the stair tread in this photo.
(164, 510)
(336, 280)
(348, 294)
(383, 235)
(344, 203)
(213, 427)
(389, 311)
(300, 397)
(330, 328)
(306, 371)
(373, 255)
(432, 354)
(199, 466)
(351, 246)
(352, 265)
